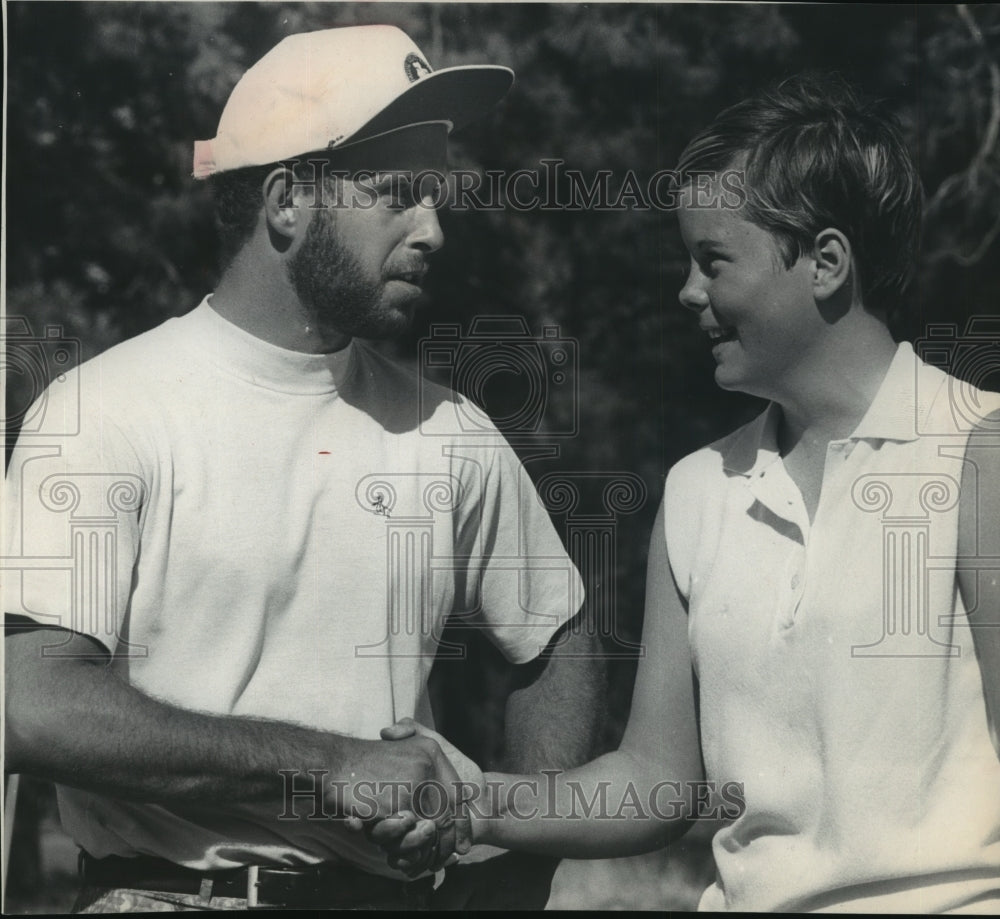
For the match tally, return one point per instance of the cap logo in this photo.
(415, 67)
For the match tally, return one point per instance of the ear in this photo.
(280, 210)
(833, 262)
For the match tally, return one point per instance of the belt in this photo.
(261, 885)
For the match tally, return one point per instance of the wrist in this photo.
(487, 810)
(495, 816)
(481, 823)
(345, 764)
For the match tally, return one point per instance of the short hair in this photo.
(817, 154)
(238, 199)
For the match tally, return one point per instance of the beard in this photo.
(332, 285)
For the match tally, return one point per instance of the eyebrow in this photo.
(393, 177)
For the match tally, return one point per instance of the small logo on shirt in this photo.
(416, 67)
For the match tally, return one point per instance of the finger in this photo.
(417, 861)
(463, 830)
(459, 838)
(411, 869)
(391, 830)
(419, 729)
(418, 843)
(405, 727)
(445, 847)
(417, 850)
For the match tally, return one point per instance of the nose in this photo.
(426, 233)
(693, 294)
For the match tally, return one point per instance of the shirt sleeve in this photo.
(73, 495)
(513, 575)
(685, 505)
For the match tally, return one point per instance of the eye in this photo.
(395, 193)
(399, 197)
(429, 188)
(710, 262)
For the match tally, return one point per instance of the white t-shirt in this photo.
(256, 531)
(837, 671)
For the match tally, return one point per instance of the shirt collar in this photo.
(755, 446)
(896, 410)
(263, 364)
(894, 414)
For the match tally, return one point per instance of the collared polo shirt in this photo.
(838, 679)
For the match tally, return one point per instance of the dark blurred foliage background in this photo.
(107, 235)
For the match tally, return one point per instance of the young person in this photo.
(813, 587)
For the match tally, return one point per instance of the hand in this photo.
(415, 844)
(468, 771)
(383, 795)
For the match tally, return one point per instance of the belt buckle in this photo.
(270, 886)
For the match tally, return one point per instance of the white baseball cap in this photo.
(323, 90)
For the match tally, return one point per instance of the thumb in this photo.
(452, 762)
(467, 769)
(405, 727)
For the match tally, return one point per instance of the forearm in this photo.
(611, 807)
(639, 797)
(555, 721)
(75, 722)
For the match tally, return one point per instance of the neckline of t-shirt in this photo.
(262, 363)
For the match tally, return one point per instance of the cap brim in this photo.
(457, 94)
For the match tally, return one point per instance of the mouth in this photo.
(416, 278)
(720, 334)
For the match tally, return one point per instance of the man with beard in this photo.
(279, 538)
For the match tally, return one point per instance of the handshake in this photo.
(416, 844)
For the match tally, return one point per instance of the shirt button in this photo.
(795, 582)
